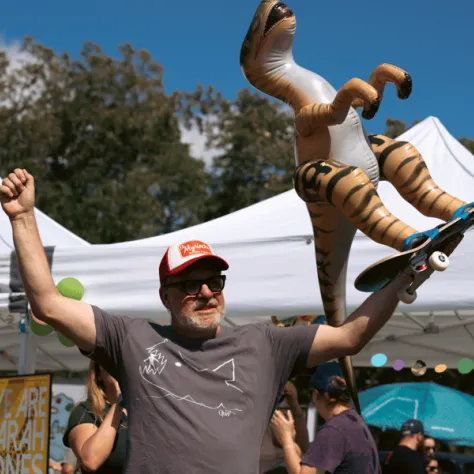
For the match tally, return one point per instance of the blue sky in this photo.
(338, 39)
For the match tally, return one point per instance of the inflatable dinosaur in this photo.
(338, 165)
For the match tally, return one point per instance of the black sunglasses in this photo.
(193, 287)
(433, 468)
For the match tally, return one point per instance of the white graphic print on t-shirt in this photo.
(160, 358)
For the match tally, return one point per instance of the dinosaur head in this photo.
(269, 37)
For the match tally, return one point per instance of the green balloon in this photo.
(71, 288)
(465, 366)
(65, 341)
(40, 329)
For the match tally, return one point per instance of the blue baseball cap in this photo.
(412, 427)
(323, 377)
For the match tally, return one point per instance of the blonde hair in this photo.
(96, 391)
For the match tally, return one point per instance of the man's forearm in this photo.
(371, 316)
(33, 264)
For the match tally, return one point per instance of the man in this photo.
(344, 444)
(408, 457)
(199, 395)
(430, 447)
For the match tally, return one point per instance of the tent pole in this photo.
(28, 344)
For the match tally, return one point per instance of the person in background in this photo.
(431, 465)
(344, 444)
(63, 467)
(271, 455)
(67, 468)
(430, 447)
(96, 429)
(407, 457)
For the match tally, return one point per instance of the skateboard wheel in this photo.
(439, 261)
(406, 297)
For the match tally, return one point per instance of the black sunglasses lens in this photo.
(192, 287)
(216, 284)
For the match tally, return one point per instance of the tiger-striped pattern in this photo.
(338, 166)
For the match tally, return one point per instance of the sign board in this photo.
(25, 408)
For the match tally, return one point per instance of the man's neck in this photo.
(198, 335)
(409, 443)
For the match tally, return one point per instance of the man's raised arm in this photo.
(72, 318)
(359, 328)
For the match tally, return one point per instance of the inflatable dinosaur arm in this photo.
(315, 115)
(383, 74)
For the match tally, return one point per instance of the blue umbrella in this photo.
(446, 413)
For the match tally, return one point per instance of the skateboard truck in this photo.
(437, 262)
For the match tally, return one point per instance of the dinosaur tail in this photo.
(334, 235)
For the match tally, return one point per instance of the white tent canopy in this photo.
(272, 267)
(52, 234)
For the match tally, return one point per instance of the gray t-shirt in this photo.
(344, 445)
(198, 406)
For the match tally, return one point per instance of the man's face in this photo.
(202, 312)
(67, 469)
(421, 441)
(429, 446)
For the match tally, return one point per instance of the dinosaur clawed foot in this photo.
(405, 88)
(372, 110)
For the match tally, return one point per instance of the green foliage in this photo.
(257, 159)
(394, 128)
(468, 143)
(103, 140)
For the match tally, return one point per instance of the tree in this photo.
(468, 143)
(103, 140)
(257, 159)
(394, 128)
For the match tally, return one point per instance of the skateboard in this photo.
(420, 262)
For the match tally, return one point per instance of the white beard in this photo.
(201, 323)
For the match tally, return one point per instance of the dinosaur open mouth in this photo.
(278, 13)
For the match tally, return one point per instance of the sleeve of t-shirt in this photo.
(291, 347)
(111, 332)
(79, 415)
(327, 450)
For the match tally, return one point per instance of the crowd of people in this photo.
(196, 395)
(97, 431)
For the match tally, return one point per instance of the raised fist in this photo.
(17, 193)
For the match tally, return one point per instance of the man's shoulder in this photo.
(258, 329)
(404, 453)
(244, 331)
(127, 319)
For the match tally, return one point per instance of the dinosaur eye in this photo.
(278, 13)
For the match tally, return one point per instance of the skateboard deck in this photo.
(419, 261)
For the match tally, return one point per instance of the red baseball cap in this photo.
(180, 256)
